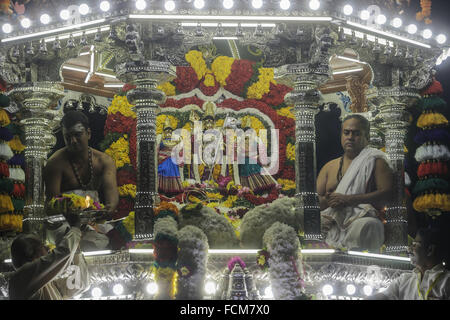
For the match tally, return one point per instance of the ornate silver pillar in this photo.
(305, 79)
(393, 104)
(146, 75)
(38, 100)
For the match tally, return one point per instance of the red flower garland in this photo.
(125, 177)
(118, 123)
(186, 79)
(126, 205)
(257, 200)
(178, 104)
(276, 94)
(241, 72)
(209, 91)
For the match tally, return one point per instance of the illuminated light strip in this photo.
(233, 251)
(105, 75)
(140, 251)
(75, 69)
(225, 38)
(228, 18)
(78, 34)
(58, 30)
(226, 25)
(318, 251)
(381, 256)
(390, 35)
(96, 253)
(350, 59)
(112, 85)
(348, 71)
(8, 261)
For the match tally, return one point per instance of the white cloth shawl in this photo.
(353, 182)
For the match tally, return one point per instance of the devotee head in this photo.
(429, 248)
(26, 248)
(76, 131)
(355, 133)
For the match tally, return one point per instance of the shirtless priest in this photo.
(353, 188)
(82, 170)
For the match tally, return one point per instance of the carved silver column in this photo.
(146, 75)
(305, 79)
(38, 120)
(393, 104)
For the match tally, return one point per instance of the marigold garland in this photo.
(120, 104)
(127, 190)
(195, 59)
(431, 119)
(429, 202)
(119, 151)
(221, 67)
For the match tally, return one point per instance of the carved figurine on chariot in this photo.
(170, 173)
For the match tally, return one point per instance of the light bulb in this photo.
(45, 18)
(285, 4)
(152, 288)
(348, 10)
(351, 289)
(367, 290)
(257, 4)
(96, 292)
(118, 289)
(199, 4)
(365, 15)
(228, 4)
(210, 287)
(412, 28)
(141, 4)
(327, 289)
(169, 5)
(314, 4)
(397, 22)
(6, 28)
(26, 23)
(83, 9)
(427, 33)
(64, 14)
(381, 19)
(441, 39)
(105, 6)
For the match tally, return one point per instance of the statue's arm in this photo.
(109, 184)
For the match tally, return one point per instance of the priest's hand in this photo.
(338, 200)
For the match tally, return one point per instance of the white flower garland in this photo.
(17, 174)
(197, 92)
(5, 151)
(283, 245)
(429, 152)
(192, 259)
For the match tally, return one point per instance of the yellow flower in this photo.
(15, 144)
(209, 80)
(286, 112)
(262, 86)
(212, 205)
(128, 223)
(4, 118)
(194, 199)
(119, 151)
(219, 123)
(195, 59)
(214, 196)
(127, 190)
(120, 104)
(286, 184)
(290, 151)
(230, 201)
(262, 260)
(168, 88)
(236, 223)
(221, 67)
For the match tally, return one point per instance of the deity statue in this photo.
(252, 175)
(192, 167)
(230, 170)
(169, 174)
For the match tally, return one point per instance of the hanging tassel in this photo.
(5, 151)
(431, 119)
(16, 145)
(14, 128)
(428, 202)
(434, 168)
(4, 118)
(4, 169)
(17, 174)
(437, 134)
(6, 204)
(17, 160)
(6, 186)
(18, 204)
(430, 184)
(5, 134)
(18, 190)
(429, 152)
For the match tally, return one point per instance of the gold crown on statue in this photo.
(193, 116)
(168, 124)
(209, 110)
(246, 122)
